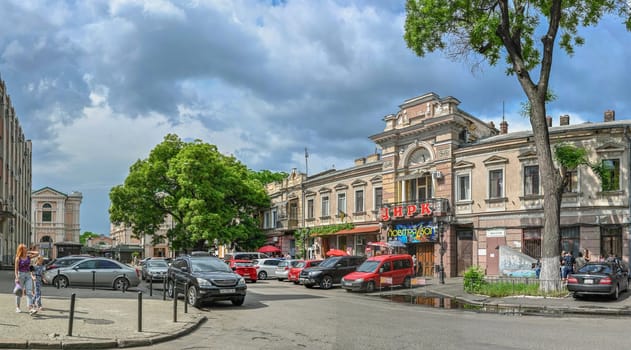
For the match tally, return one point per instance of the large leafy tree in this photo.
(211, 197)
(524, 33)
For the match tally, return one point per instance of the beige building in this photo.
(56, 222)
(16, 155)
(125, 242)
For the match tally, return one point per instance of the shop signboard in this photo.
(418, 232)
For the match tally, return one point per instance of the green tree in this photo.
(492, 29)
(83, 238)
(211, 197)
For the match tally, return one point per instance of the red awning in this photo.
(354, 231)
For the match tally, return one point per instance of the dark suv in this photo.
(330, 271)
(208, 279)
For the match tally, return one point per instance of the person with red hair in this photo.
(23, 276)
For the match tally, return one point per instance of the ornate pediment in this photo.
(495, 160)
(463, 165)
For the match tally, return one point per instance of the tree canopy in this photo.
(524, 33)
(210, 196)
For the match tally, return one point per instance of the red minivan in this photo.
(381, 271)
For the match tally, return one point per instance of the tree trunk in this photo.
(552, 194)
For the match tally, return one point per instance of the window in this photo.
(611, 241)
(611, 175)
(571, 182)
(570, 240)
(359, 201)
(47, 213)
(266, 219)
(293, 210)
(532, 242)
(310, 213)
(325, 206)
(496, 183)
(378, 198)
(341, 204)
(464, 188)
(419, 189)
(531, 180)
(274, 219)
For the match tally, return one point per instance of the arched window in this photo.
(47, 212)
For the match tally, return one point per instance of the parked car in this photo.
(604, 278)
(282, 270)
(245, 256)
(154, 269)
(266, 267)
(294, 273)
(65, 261)
(244, 268)
(108, 273)
(330, 271)
(380, 270)
(208, 279)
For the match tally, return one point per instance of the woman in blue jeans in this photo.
(23, 276)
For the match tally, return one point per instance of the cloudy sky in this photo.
(97, 84)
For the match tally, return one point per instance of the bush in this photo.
(473, 279)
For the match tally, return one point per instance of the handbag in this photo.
(17, 290)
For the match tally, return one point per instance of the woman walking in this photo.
(23, 276)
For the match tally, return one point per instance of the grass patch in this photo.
(475, 283)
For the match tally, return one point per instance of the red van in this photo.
(381, 271)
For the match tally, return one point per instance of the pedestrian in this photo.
(537, 266)
(38, 271)
(586, 255)
(580, 260)
(568, 265)
(23, 276)
(415, 263)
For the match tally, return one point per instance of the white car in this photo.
(266, 268)
(282, 270)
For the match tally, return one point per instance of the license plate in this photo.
(347, 283)
(226, 291)
(588, 281)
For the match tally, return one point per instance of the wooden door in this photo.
(425, 258)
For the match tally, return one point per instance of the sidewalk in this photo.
(98, 323)
(453, 289)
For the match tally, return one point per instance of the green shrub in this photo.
(473, 279)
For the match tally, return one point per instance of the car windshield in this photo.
(243, 264)
(595, 268)
(157, 263)
(368, 266)
(283, 263)
(209, 265)
(300, 264)
(330, 262)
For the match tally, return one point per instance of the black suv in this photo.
(330, 271)
(208, 279)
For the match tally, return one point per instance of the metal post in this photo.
(93, 279)
(174, 304)
(124, 284)
(139, 311)
(57, 280)
(164, 289)
(72, 299)
(150, 286)
(442, 253)
(186, 298)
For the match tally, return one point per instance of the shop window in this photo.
(532, 242)
(611, 241)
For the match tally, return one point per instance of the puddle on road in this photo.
(441, 302)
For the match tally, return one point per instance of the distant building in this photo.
(15, 181)
(56, 222)
(147, 246)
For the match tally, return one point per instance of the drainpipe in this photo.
(626, 135)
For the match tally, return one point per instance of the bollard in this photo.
(186, 298)
(150, 286)
(164, 289)
(57, 280)
(174, 304)
(72, 299)
(93, 279)
(139, 311)
(124, 284)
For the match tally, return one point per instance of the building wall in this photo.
(123, 235)
(15, 181)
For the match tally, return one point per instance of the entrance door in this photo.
(465, 250)
(425, 258)
(493, 254)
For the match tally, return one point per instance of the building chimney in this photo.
(564, 120)
(549, 121)
(504, 127)
(610, 115)
(492, 125)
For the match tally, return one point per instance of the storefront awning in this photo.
(358, 230)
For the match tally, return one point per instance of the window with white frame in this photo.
(266, 220)
(341, 203)
(325, 206)
(310, 212)
(359, 201)
(463, 187)
(531, 180)
(496, 183)
(610, 176)
(570, 181)
(274, 218)
(378, 198)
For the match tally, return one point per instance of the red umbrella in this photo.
(336, 252)
(269, 249)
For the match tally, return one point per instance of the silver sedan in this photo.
(100, 272)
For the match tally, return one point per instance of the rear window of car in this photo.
(271, 262)
(283, 263)
(157, 263)
(595, 268)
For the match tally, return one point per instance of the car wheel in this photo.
(370, 287)
(61, 281)
(616, 293)
(262, 275)
(281, 279)
(170, 288)
(121, 283)
(308, 285)
(576, 295)
(296, 282)
(407, 283)
(237, 301)
(191, 296)
(326, 283)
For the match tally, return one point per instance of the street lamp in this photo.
(439, 224)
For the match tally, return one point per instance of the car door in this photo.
(106, 272)
(81, 274)
(342, 268)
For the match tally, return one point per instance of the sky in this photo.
(96, 85)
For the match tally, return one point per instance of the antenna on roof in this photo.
(503, 111)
